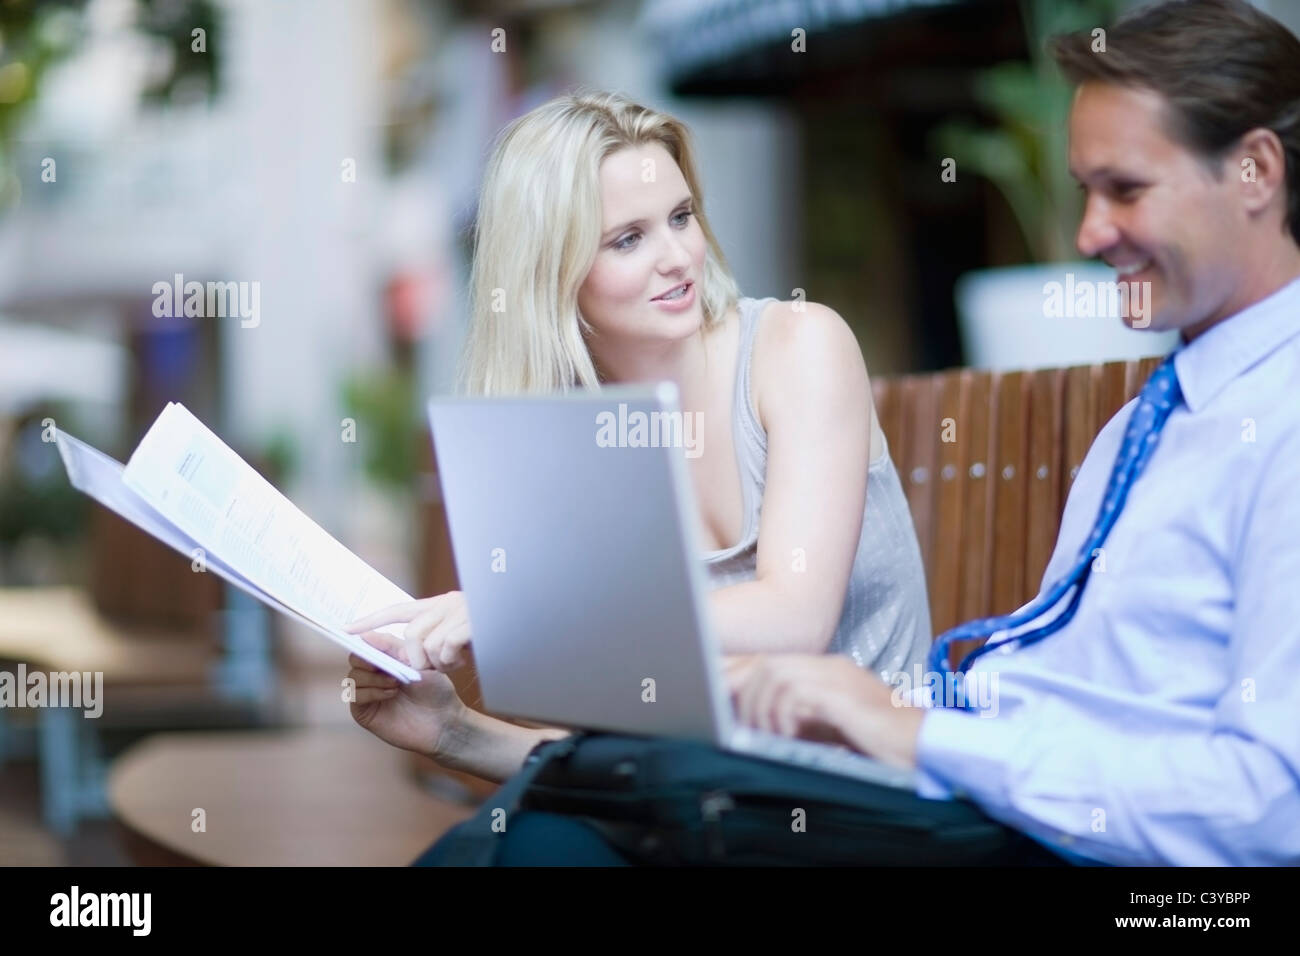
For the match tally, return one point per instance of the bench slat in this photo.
(1008, 476)
(977, 521)
(1046, 428)
(1116, 388)
(919, 399)
(1080, 425)
(951, 455)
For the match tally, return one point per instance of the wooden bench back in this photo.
(986, 460)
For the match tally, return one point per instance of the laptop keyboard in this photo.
(823, 757)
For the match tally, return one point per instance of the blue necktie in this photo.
(1157, 399)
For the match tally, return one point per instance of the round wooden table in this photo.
(311, 797)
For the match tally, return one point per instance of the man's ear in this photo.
(1259, 162)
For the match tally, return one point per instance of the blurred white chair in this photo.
(1006, 322)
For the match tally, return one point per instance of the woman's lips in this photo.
(679, 304)
(680, 285)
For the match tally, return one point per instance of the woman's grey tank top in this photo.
(885, 623)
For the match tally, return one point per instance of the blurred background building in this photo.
(330, 151)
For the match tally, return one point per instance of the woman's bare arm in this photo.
(488, 747)
(813, 398)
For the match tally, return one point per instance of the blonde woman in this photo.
(594, 263)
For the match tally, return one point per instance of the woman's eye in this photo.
(628, 241)
(1127, 190)
(682, 217)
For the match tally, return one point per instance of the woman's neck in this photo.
(683, 362)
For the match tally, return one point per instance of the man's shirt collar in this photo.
(1208, 363)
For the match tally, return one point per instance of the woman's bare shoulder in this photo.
(802, 347)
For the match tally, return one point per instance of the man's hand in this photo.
(821, 696)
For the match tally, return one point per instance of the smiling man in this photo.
(1147, 713)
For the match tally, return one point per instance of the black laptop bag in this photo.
(675, 802)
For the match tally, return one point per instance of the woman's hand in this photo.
(414, 716)
(428, 716)
(440, 625)
(823, 697)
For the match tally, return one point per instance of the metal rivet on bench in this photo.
(1008, 472)
(1042, 472)
(948, 472)
(920, 475)
(977, 470)
(626, 768)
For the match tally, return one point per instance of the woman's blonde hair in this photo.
(537, 235)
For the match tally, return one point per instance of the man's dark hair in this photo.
(1223, 67)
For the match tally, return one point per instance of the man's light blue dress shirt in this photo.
(1162, 724)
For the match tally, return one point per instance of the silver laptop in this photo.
(573, 524)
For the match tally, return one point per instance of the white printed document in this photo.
(188, 489)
